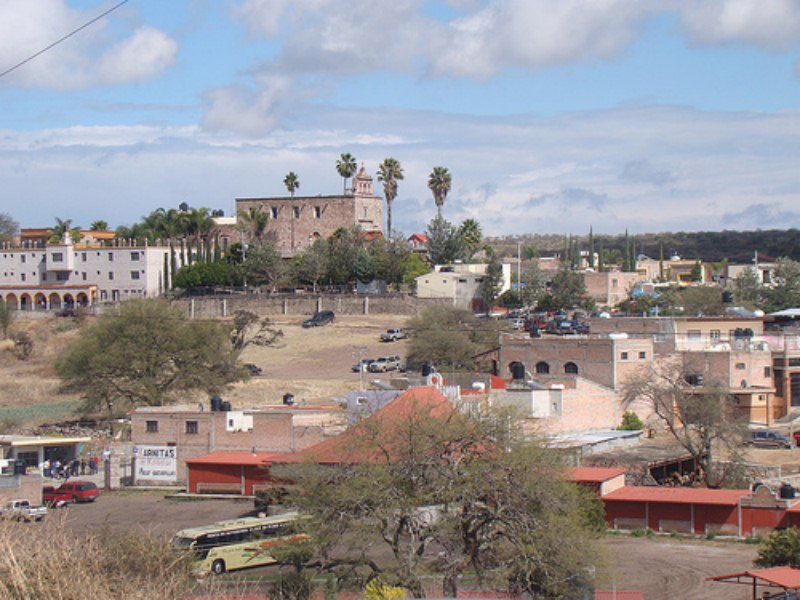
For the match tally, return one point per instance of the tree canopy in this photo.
(147, 352)
(9, 228)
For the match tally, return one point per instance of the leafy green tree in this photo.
(700, 418)
(781, 548)
(292, 182)
(365, 266)
(205, 274)
(250, 329)
(785, 289)
(252, 223)
(533, 283)
(567, 290)
(312, 265)
(390, 257)
(445, 244)
(492, 281)
(389, 173)
(697, 271)
(346, 167)
(529, 252)
(747, 288)
(702, 300)
(343, 249)
(631, 422)
(470, 232)
(413, 267)
(443, 496)
(439, 183)
(263, 265)
(147, 353)
(9, 228)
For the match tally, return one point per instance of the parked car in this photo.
(320, 318)
(392, 335)
(362, 365)
(253, 369)
(55, 498)
(384, 363)
(23, 510)
(81, 491)
(769, 438)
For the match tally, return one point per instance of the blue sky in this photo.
(551, 115)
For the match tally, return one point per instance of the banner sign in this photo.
(159, 463)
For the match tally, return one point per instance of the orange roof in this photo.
(676, 495)
(594, 474)
(785, 577)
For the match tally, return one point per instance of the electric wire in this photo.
(57, 42)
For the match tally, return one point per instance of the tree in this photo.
(252, 223)
(492, 281)
(747, 288)
(292, 182)
(99, 225)
(700, 418)
(413, 267)
(390, 172)
(312, 265)
(781, 548)
(344, 246)
(567, 290)
(470, 232)
(6, 316)
(346, 167)
(697, 271)
(263, 265)
(439, 183)
(532, 284)
(701, 300)
(785, 289)
(147, 353)
(9, 228)
(445, 244)
(249, 329)
(445, 492)
(62, 227)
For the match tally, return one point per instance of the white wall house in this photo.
(67, 274)
(458, 283)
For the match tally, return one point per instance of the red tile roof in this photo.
(785, 577)
(676, 495)
(594, 474)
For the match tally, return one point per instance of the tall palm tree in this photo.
(390, 172)
(99, 225)
(63, 226)
(253, 222)
(292, 182)
(346, 167)
(439, 182)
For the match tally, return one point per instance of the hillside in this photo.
(708, 246)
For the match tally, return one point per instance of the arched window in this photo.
(571, 368)
(542, 368)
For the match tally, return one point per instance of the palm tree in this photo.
(472, 235)
(99, 225)
(390, 172)
(62, 227)
(292, 182)
(253, 222)
(346, 167)
(439, 182)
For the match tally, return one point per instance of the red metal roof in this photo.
(222, 457)
(676, 495)
(785, 577)
(618, 595)
(594, 474)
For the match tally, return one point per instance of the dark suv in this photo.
(320, 318)
(767, 438)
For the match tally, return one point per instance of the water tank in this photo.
(225, 406)
(216, 404)
(517, 370)
(427, 368)
(288, 399)
(787, 491)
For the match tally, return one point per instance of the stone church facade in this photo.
(295, 222)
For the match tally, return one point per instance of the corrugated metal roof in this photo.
(222, 457)
(676, 495)
(594, 474)
(785, 577)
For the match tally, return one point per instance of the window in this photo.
(191, 427)
(296, 212)
(22, 258)
(642, 355)
(614, 283)
(623, 356)
(317, 212)
(715, 335)
(794, 362)
(110, 257)
(57, 257)
(274, 210)
(767, 372)
(111, 275)
(134, 274)
(83, 256)
(22, 276)
(151, 426)
(740, 366)
(84, 276)
(694, 334)
(134, 256)
(571, 368)
(62, 276)
(366, 215)
(542, 368)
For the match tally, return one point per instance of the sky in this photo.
(552, 116)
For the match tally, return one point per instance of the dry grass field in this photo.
(313, 364)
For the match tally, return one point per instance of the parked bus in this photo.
(239, 543)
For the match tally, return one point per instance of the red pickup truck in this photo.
(54, 497)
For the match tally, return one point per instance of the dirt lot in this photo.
(661, 567)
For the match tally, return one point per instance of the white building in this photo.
(67, 274)
(459, 283)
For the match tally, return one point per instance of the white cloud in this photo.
(83, 60)
(246, 111)
(769, 23)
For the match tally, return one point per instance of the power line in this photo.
(66, 37)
